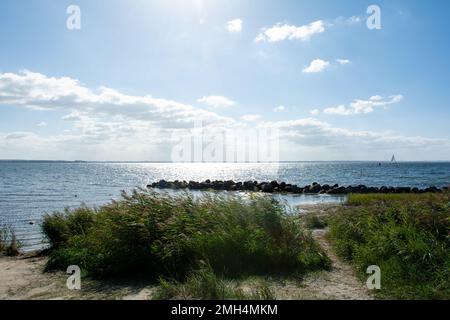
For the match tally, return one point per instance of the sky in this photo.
(139, 74)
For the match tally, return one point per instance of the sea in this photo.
(29, 189)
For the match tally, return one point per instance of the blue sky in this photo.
(368, 93)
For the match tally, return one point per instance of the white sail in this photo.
(393, 159)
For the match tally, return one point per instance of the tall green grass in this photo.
(2, 240)
(157, 235)
(402, 198)
(407, 236)
(312, 221)
(205, 284)
(9, 244)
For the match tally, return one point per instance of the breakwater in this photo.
(282, 187)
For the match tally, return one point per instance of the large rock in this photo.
(403, 190)
(249, 185)
(267, 187)
(316, 188)
(163, 184)
(338, 191)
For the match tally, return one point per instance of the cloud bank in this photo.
(106, 124)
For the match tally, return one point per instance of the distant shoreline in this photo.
(228, 163)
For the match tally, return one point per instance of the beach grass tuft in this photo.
(312, 221)
(205, 284)
(9, 244)
(2, 240)
(407, 236)
(161, 235)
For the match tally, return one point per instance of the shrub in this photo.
(60, 227)
(151, 234)
(13, 247)
(2, 240)
(8, 242)
(407, 237)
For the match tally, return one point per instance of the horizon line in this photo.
(211, 162)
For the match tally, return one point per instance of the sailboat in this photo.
(393, 161)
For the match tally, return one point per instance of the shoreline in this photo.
(334, 228)
(25, 279)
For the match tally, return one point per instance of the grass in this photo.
(168, 237)
(2, 240)
(406, 235)
(313, 222)
(61, 227)
(204, 284)
(368, 199)
(8, 242)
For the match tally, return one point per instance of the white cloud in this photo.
(106, 124)
(235, 25)
(217, 101)
(339, 110)
(279, 109)
(42, 124)
(376, 98)
(314, 133)
(38, 92)
(250, 117)
(353, 20)
(364, 106)
(283, 31)
(343, 61)
(19, 135)
(280, 32)
(314, 112)
(307, 134)
(317, 65)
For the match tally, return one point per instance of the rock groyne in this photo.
(282, 187)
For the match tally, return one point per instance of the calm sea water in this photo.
(30, 189)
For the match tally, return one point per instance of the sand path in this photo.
(22, 278)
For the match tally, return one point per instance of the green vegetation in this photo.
(406, 235)
(2, 240)
(204, 284)
(368, 199)
(312, 221)
(8, 242)
(168, 237)
(59, 228)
